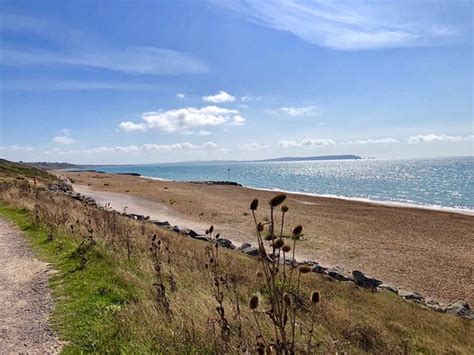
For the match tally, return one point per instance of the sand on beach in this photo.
(416, 249)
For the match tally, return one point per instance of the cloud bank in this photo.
(185, 119)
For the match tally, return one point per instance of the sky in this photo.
(121, 82)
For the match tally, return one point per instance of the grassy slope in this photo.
(10, 171)
(85, 300)
(110, 305)
(103, 308)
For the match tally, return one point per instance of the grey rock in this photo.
(461, 309)
(339, 274)
(248, 249)
(320, 269)
(60, 187)
(161, 224)
(176, 229)
(138, 217)
(390, 288)
(245, 246)
(412, 296)
(361, 280)
(225, 243)
(201, 237)
(435, 306)
(192, 233)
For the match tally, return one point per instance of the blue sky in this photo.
(159, 81)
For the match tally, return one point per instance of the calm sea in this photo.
(443, 182)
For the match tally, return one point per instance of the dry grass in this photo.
(347, 318)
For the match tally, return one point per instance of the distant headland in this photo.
(65, 165)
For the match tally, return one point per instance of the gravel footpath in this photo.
(25, 298)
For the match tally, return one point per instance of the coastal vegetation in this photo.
(127, 286)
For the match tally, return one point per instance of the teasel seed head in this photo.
(315, 297)
(260, 227)
(254, 204)
(211, 229)
(278, 199)
(305, 269)
(259, 274)
(279, 243)
(286, 248)
(287, 299)
(253, 302)
(297, 230)
(284, 209)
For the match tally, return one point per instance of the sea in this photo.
(440, 183)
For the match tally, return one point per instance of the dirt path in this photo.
(25, 299)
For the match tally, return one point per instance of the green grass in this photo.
(10, 170)
(110, 306)
(87, 301)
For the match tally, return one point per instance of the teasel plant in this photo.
(219, 282)
(285, 299)
(156, 254)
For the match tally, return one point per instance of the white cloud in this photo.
(429, 138)
(374, 141)
(237, 120)
(186, 119)
(15, 148)
(131, 126)
(64, 137)
(136, 60)
(254, 146)
(309, 142)
(352, 25)
(204, 133)
(138, 148)
(221, 97)
(63, 140)
(209, 145)
(180, 96)
(298, 111)
(248, 98)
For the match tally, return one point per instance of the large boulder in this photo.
(192, 234)
(225, 243)
(364, 281)
(161, 224)
(339, 274)
(320, 269)
(248, 249)
(60, 187)
(461, 309)
(412, 296)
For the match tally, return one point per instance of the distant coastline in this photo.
(68, 166)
